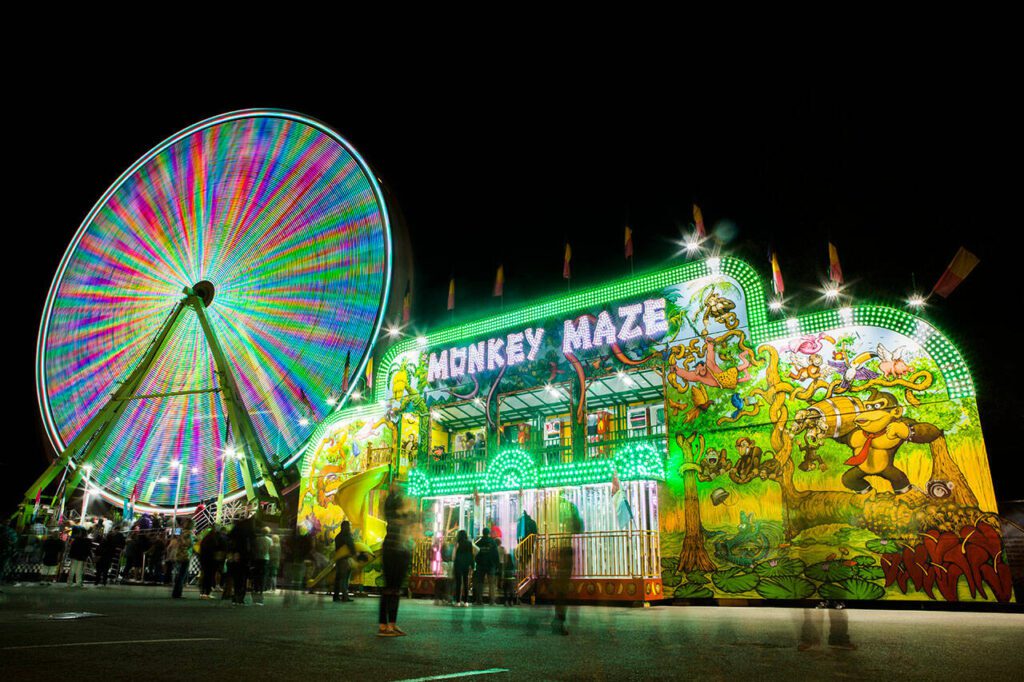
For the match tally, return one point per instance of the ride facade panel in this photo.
(677, 443)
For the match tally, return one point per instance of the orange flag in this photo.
(835, 272)
(777, 282)
(566, 271)
(698, 221)
(963, 262)
(629, 242)
(499, 281)
(407, 303)
(451, 294)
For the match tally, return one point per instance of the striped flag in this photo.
(407, 303)
(698, 222)
(35, 509)
(777, 283)
(369, 372)
(305, 401)
(963, 262)
(566, 269)
(451, 294)
(344, 380)
(499, 281)
(835, 271)
(629, 242)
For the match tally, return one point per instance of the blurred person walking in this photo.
(211, 560)
(179, 552)
(81, 550)
(53, 550)
(275, 561)
(462, 563)
(261, 558)
(486, 568)
(396, 558)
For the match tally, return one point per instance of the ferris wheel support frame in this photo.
(91, 438)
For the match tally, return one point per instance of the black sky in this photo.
(897, 172)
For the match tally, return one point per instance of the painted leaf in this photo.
(851, 589)
(883, 545)
(691, 591)
(670, 564)
(697, 578)
(734, 582)
(864, 560)
(829, 571)
(786, 587)
(773, 568)
(671, 578)
(869, 572)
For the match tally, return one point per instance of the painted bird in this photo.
(852, 370)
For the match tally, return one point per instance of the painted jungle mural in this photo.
(827, 457)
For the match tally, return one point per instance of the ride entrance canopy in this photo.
(212, 302)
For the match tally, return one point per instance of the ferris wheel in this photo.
(215, 304)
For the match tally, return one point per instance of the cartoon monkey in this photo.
(719, 309)
(712, 464)
(749, 462)
(809, 370)
(812, 460)
(880, 431)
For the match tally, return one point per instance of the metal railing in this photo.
(599, 554)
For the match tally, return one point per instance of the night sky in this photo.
(505, 169)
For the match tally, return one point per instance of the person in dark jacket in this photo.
(343, 560)
(81, 550)
(53, 548)
(111, 544)
(211, 560)
(240, 551)
(486, 568)
(463, 562)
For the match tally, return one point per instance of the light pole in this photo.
(85, 498)
(230, 453)
(176, 465)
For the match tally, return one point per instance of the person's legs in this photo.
(259, 572)
(241, 569)
(478, 586)
(492, 587)
(337, 579)
(180, 571)
(346, 573)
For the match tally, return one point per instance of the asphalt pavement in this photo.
(140, 633)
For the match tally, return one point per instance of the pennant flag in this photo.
(698, 221)
(963, 262)
(407, 303)
(305, 401)
(35, 509)
(451, 294)
(629, 242)
(369, 372)
(566, 271)
(835, 271)
(499, 281)
(777, 282)
(344, 379)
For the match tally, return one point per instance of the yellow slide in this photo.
(352, 496)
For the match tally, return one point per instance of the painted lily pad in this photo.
(671, 579)
(864, 560)
(869, 572)
(851, 589)
(735, 582)
(883, 545)
(773, 568)
(697, 578)
(829, 571)
(786, 587)
(692, 591)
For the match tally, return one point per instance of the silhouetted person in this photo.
(463, 561)
(53, 548)
(486, 567)
(396, 558)
(344, 553)
(261, 558)
(240, 547)
(81, 550)
(563, 572)
(110, 545)
(211, 560)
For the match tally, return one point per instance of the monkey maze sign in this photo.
(628, 323)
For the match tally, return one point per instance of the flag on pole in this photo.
(566, 270)
(369, 373)
(629, 242)
(835, 271)
(407, 303)
(344, 380)
(499, 281)
(698, 221)
(451, 294)
(963, 262)
(35, 509)
(777, 282)
(305, 401)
